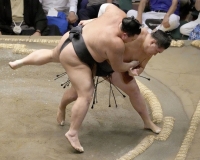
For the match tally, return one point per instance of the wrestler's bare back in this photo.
(103, 38)
(101, 35)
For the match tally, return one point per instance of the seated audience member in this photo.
(187, 28)
(163, 14)
(185, 7)
(92, 9)
(125, 5)
(60, 14)
(16, 18)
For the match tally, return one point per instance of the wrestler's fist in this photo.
(134, 64)
(133, 72)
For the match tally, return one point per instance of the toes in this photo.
(157, 131)
(10, 65)
(154, 130)
(80, 149)
(62, 123)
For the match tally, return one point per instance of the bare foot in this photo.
(152, 127)
(16, 64)
(61, 116)
(74, 141)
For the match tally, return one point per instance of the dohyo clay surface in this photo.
(30, 96)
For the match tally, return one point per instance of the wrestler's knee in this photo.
(73, 97)
(132, 89)
(88, 97)
(174, 21)
(54, 56)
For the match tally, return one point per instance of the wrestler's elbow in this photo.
(103, 8)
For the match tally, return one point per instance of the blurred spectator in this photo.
(60, 14)
(187, 28)
(22, 17)
(163, 14)
(125, 5)
(185, 7)
(92, 9)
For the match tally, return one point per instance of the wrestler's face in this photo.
(151, 48)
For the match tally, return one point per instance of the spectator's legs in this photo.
(89, 12)
(174, 22)
(188, 27)
(132, 12)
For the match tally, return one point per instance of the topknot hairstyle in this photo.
(131, 26)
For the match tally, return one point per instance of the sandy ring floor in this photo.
(52, 154)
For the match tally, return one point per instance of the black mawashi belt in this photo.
(159, 11)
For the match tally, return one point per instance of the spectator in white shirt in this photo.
(55, 9)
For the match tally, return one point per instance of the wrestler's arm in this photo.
(170, 11)
(139, 69)
(115, 56)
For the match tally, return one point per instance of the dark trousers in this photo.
(89, 12)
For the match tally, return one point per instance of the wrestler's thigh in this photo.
(118, 81)
(79, 73)
(81, 79)
(69, 57)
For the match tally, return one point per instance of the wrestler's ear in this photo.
(153, 41)
(124, 36)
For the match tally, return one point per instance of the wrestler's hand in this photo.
(72, 17)
(165, 22)
(133, 72)
(84, 22)
(0, 33)
(134, 64)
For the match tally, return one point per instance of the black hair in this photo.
(131, 26)
(163, 40)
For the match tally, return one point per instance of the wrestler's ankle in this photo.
(16, 64)
(62, 108)
(146, 123)
(72, 133)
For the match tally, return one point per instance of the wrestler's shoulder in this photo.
(116, 44)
